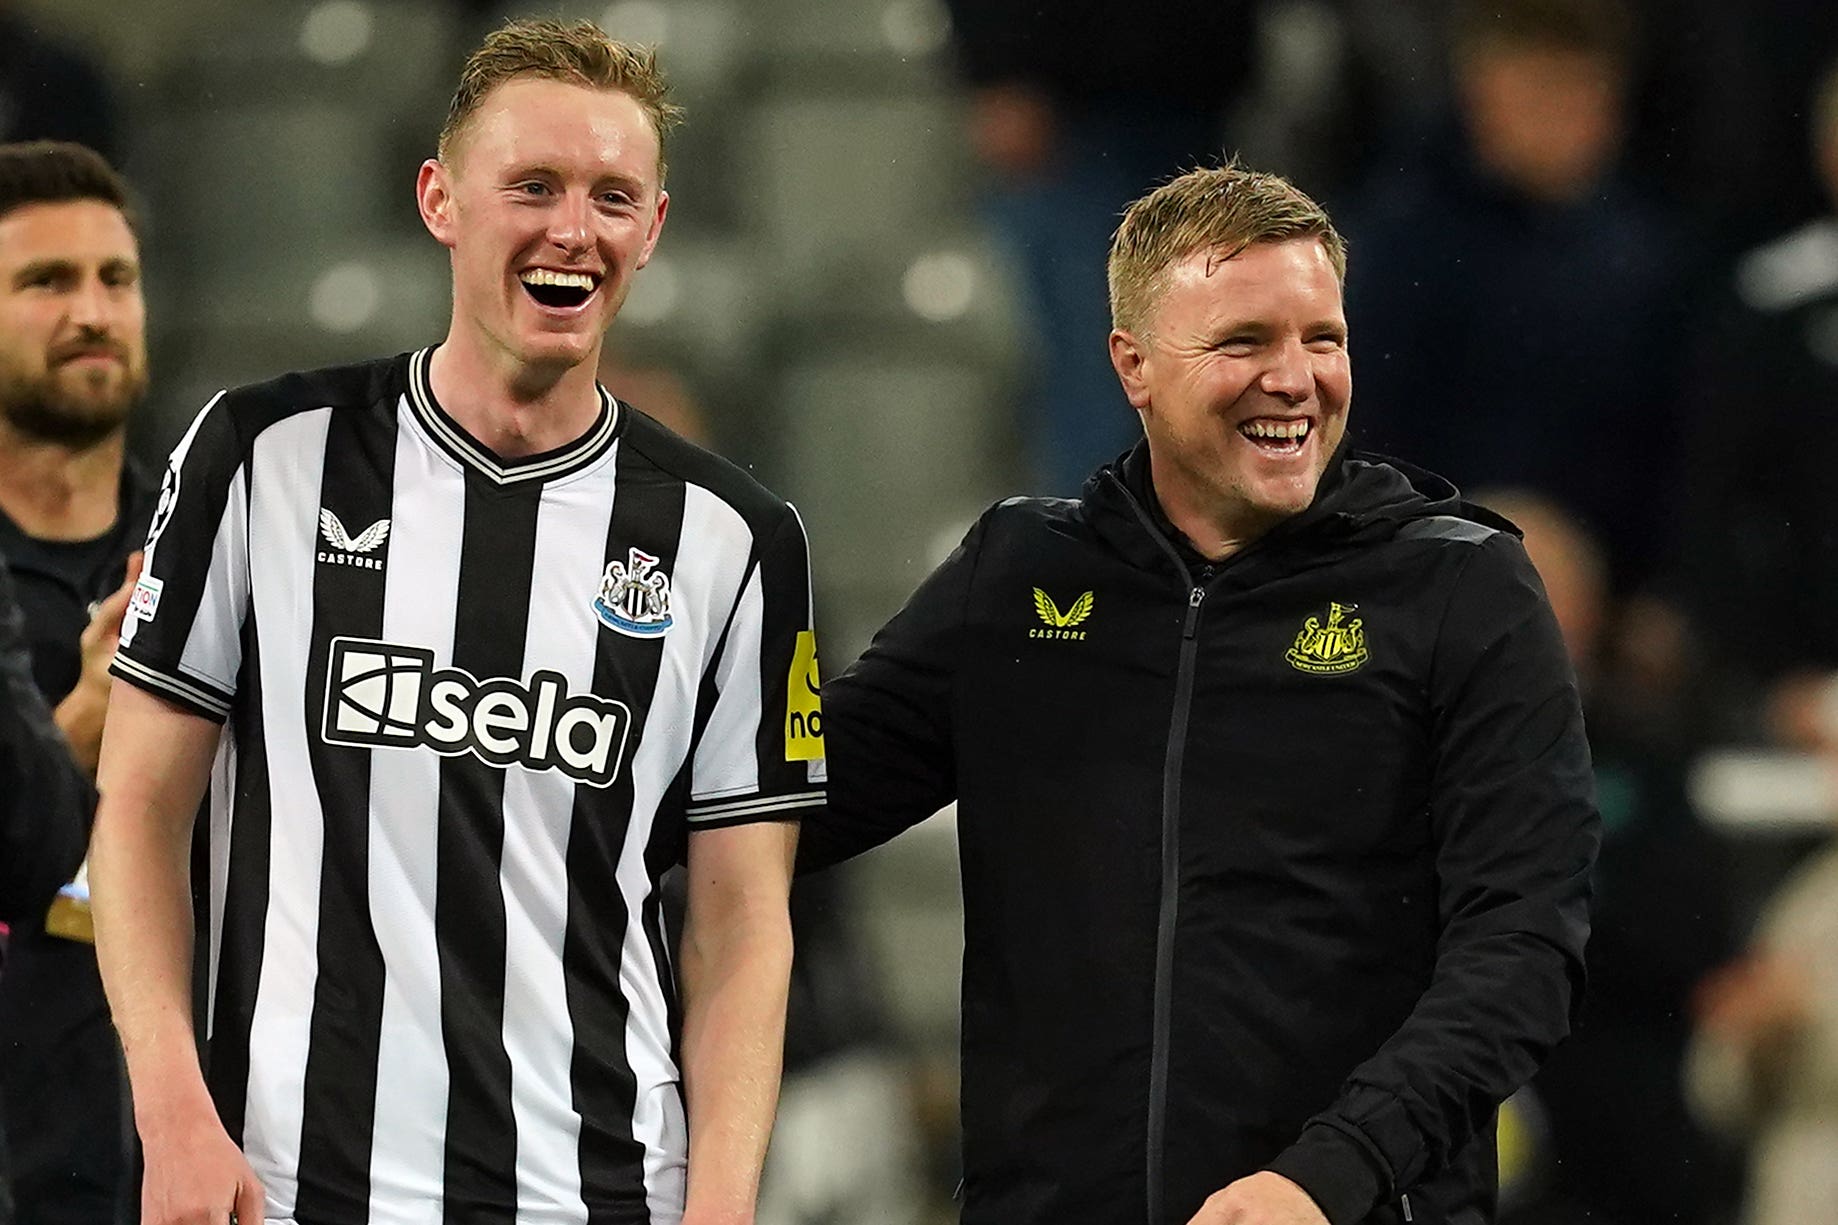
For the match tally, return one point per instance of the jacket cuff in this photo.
(1338, 1173)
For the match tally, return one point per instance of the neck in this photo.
(55, 492)
(1215, 526)
(510, 406)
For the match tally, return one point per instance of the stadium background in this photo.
(833, 309)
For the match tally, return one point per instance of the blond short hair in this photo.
(1222, 208)
(575, 52)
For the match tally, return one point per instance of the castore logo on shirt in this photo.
(1061, 624)
(348, 550)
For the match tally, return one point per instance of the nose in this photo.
(570, 225)
(91, 306)
(1289, 376)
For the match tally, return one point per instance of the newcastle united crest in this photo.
(634, 597)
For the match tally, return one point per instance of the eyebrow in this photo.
(38, 268)
(68, 267)
(623, 181)
(1259, 330)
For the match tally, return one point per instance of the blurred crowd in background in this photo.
(1593, 280)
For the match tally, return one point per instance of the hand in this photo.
(1264, 1198)
(195, 1175)
(80, 715)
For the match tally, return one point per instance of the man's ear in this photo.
(434, 199)
(1129, 356)
(657, 227)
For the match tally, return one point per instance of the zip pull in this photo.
(1405, 1201)
(1193, 611)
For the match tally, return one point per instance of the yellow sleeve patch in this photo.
(803, 705)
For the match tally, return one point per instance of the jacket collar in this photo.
(1361, 498)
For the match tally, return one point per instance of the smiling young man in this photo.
(479, 652)
(1273, 801)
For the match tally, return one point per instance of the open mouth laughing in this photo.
(559, 290)
(1277, 436)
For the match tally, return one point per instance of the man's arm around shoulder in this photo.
(888, 734)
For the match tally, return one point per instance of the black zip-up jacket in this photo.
(1280, 863)
(45, 801)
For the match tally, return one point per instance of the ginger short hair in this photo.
(1224, 209)
(54, 171)
(576, 52)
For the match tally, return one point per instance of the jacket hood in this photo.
(1363, 497)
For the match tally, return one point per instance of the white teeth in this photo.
(1276, 429)
(562, 280)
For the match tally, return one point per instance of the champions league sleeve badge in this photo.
(634, 599)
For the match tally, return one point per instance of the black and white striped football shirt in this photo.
(474, 707)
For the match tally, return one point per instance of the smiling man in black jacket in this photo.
(1274, 804)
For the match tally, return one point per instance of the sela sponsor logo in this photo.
(348, 550)
(389, 696)
(1061, 624)
(634, 598)
(1328, 650)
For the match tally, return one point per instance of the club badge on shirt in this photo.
(1328, 650)
(634, 597)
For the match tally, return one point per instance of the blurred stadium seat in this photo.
(833, 183)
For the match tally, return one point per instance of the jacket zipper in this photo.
(1171, 859)
(1170, 901)
(1405, 1201)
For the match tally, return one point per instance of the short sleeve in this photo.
(760, 754)
(181, 638)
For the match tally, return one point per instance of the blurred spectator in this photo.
(1721, 117)
(50, 91)
(1075, 113)
(658, 392)
(1627, 1149)
(1764, 1065)
(72, 368)
(45, 803)
(1516, 307)
(1758, 560)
